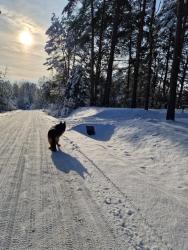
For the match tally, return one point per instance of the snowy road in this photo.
(40, 206)
(61, 200)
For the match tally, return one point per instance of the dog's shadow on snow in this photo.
(67, 163)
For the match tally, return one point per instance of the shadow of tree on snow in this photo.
(103, 131)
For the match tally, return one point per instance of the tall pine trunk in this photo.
(129, 68)
(99, 59)
(154, 84)
(167, 63)
(179, 104)
(138, 52)
(119, 6)
(179, 40)
(151, 45)
(92, 97)
(107, 90)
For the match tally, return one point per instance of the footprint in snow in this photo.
(156, 134)
(108, 201)
(143, 167)
(127, 154)
(130, 212)
(117, 212)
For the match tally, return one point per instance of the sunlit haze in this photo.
(25, 38)
(22, 30)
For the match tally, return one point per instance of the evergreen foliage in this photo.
(124, 48)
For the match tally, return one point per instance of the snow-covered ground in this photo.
(8, 113)
(124, 188)
(146, 157)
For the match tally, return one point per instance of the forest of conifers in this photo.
(126, 50)
(118, 53)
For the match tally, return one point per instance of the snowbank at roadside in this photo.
(146, 157)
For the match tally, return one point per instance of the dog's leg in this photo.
(52, 143)
(59, 145)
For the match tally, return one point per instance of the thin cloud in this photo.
(22, 63)
(33, 16)
(20, 22)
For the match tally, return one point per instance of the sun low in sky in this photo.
(22, 36)
(25, 38)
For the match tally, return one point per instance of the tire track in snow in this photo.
(7, 128)
(88, 222)
(25, 227)
(63, 210)
(59, 216)
(101, 224)
(154, 232)
(7, 150)
(10, 205)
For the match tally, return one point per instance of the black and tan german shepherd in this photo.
(53, 135)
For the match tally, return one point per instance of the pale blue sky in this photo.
(159, 1)
(18, 15)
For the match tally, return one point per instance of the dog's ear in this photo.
(60, 122)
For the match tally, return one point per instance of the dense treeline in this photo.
(24, 95)
(5, 93)
(121, 53)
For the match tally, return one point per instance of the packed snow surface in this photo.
(126, 187)
(147, 158)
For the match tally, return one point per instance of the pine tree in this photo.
(92, 94)
(150, 61)
(120, 51)
(100, 52)
(76, 93)
(138, 52)
(182, 12)
(119, 7)
(182, 81)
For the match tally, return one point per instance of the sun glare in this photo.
(25, 38)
